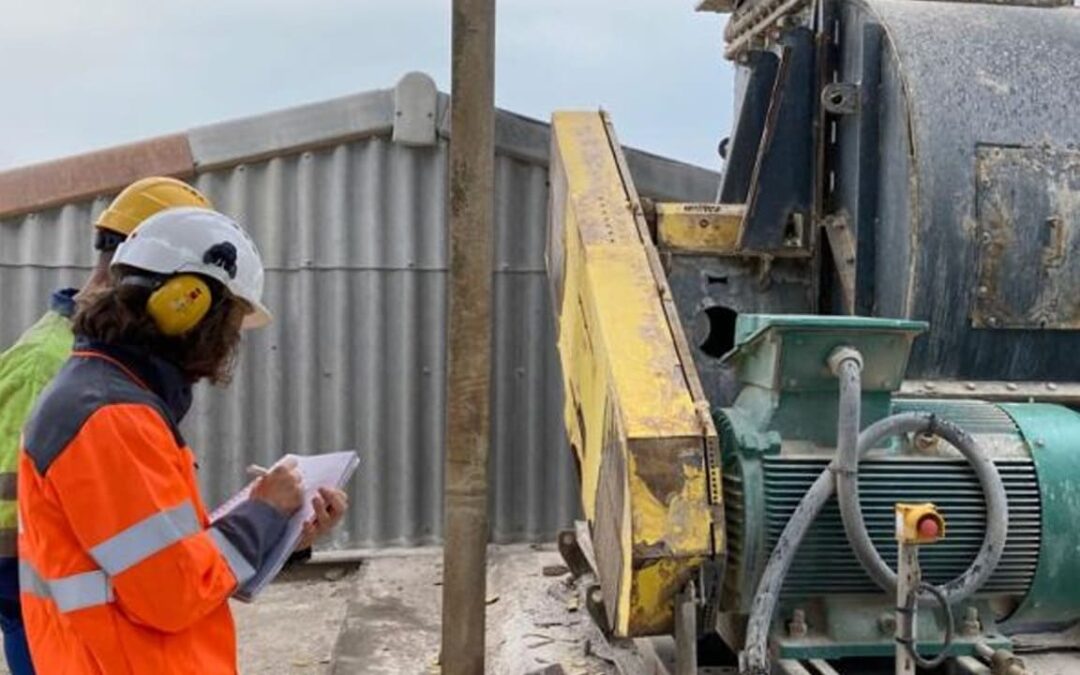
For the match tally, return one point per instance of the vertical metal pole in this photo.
(472, 210)
(908, 578)
(686, 632)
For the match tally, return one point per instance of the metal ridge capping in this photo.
(414, 113)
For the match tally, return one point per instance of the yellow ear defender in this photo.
(177, 304)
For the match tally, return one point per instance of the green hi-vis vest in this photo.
(25, 369)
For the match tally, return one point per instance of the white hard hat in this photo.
(191, 240)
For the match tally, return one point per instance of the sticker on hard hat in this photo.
(222, 255)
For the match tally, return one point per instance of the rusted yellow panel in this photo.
(669, 502)
(630, 412)
(699, 228)
(655, 585)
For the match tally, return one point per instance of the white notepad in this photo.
(332, 470)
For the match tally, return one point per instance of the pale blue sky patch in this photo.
(80, 76)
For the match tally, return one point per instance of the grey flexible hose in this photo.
(847, 488)
(754, 660)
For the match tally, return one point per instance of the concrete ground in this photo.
(383, 615)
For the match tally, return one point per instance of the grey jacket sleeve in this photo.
(253, 528)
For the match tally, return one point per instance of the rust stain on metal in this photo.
(104, 172)
(1028, 212)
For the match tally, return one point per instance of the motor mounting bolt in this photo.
(798, 628)
(971, 626)
(887, 624)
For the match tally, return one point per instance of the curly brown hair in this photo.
(118, 316)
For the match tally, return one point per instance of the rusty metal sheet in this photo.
(40, 186)
(1028, 214)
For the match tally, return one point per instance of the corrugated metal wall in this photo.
(354, 239)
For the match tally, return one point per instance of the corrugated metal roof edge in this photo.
(288, 131)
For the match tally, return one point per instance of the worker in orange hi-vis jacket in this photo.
(120, 569)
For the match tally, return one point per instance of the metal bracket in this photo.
(572, 554)
(842, 245)
(841, 98)
(594, 605)
(415, 101)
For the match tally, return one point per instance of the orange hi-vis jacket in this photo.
(120, 570)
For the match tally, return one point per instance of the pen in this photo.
(256, 471)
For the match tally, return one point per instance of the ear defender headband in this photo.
(177, 304)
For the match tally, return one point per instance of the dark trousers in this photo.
(16, 650)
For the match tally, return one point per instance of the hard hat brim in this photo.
(258, 317)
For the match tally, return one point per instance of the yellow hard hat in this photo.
(144, 198)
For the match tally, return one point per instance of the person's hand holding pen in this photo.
(328, 505)
(281, 487)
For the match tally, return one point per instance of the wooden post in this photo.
(472, 212)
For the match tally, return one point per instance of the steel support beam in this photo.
(472, 210)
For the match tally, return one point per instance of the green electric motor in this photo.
(780, 434)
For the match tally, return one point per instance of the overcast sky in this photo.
(83, 75)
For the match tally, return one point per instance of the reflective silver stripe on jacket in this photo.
(120, 552)
(241, 568)
(145, 538)
(71, 593)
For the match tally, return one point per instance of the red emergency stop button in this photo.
(918, 524)
(929, 527)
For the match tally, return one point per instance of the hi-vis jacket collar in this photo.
(154, 373)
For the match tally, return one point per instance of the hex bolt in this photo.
(971, 626)
(596, 595)
(887, 624)
(924, 442)
(798, 628)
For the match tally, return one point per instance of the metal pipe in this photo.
(472, 210)
(686, 631)
(909, 578)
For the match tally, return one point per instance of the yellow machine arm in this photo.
(635, 413)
